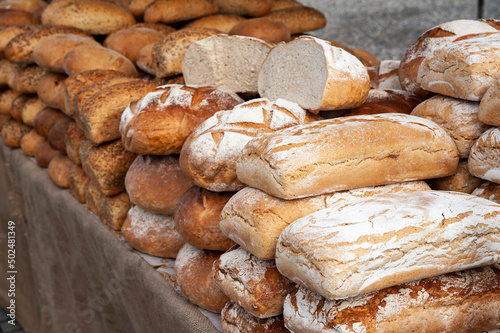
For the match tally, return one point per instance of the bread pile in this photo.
(299, 184)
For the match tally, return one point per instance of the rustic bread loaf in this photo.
(169, 52)
(366, 57)
(250, 8)
(45, 119)
(10, 17)
(57, 134)
(173, 11)
(8, 33)
(255, 219)
(280, 4)
(193, 274)
(93, 17)
(238, 72)
(160, 122)
(432, 40)
(459, 70)
(209, 154)
(51, 89)
(461, 181)
(129, 42)
(3, 119)
(25, 79)
(73, 139)
(16, 109)
(6, 98)
(388, 75)
(138, 7)
(386, 101)
(58, 170)
(30, 142)
(484, 159)
(156, 183)
(88, 57)
(488, 190)
(78, 182)
(222, 22)
(460, 302)
(30, 110)
(28, 6)
(144, 60)
(377, 242)
(235, 319)
(5, 72)
(331, 78)
(13, 131)
(106, 165)
(152, 233)
(44, 153)
(299, 19)
(99, 118)
(458, 117)
(489, 106)
(49, 52)
(111, 210)
(335, 154)
(197, 216)
(253, 283)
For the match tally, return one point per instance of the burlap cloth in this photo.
(73, 274)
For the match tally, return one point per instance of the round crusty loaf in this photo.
(44, 153)
(488, 190)
(57, 134)
(51, 90)
(93, 17)
(203, 64)
(222, 22)
(30, 110)
(45, 119)
(193, 274)
(244, 7)
(209, 154)
(160, 122)
(197, 217)
(253, 283)
(129, 42)
(235, 319)
(13, 131)
(173, 11)
(30, 142)
(489, 106)
(299, 19)
(386, 101)
(152, 233)
(484, 160)
(87, 57)
(331, 78)
(78, 182)
(58, 170)
(461, 181)
(458, 117)
(49, 52)
(156, 183)
(6, 98)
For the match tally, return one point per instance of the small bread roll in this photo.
(129, 42)
(44, 154)
(193, 274)
(3, 119)
(58, 170)
(173, 11)
(45, 119)
(78, 182)
(156, 183)
(16, 109)
(299, 19)
(262, 28)
(31, 109)
(30, 142)
(222, 22)
(111, 210)
(8, 33)
(51, 90)
(13, 131)
(138, 7)
(144, 60)
(152, 233)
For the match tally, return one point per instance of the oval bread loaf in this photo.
(236, 319)
(484, 159)
(222, 22)
(488, 190)
(30, 142)
(129, 42)
(78, 182)
(489, 106)
(173, 11)
(51, 89)
(298, 19)
(244, 7)
(58, 170)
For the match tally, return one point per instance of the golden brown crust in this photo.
(111, 210)
(222, 22)
(78, 182)
(9, 18)
(31, 109)
(26, 78)
(489, 106)
(13, 131)
(73, 138)
(488, 190)
(236, 319)
(461, 181)
(197, 217)
(266, 29)
(8, 33)
(44, 153)
(16, 109)
(58, 170)
(173, 11)
(45, 119)
(57, 134)
(129, 42)
(51, 89)
(6, 98)
(3, 119)
(386, 101)
(250, 8)
(28, 6)
(299, 19)
(30, 142)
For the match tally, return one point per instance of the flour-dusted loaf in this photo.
(388, 75)
(465, 68)
(160, 122)
(356, 247)
(152, 233)
(193, 274)
(253, 283)
(255, 219)
(197, 216)
(173, 11)
(111, 210)
(345, 153)
(209, 154)
(459, 302)
(330, 77)
(461, 181)
(235, 319)
(489, 106)
(432, 40)
(488, 190)
(156, 183)
(237, 70)
(484, 158)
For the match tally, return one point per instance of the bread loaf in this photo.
(28, 6)
(106, 165)
(330, 77)
(16, 109)
(193, 274)
(173, 11)
(152, 233)
(460, 181)
(235, 319)
(3, 119)
(73, 139)
(160, 122)
(31, 109)
(255, 219)
(209, 155)
(111, 210)
(489, 105)
(12, 133)
(197, 216)
(298, 19)
(78, 182)
(8, 33)
(58, 170)
(203, 64)
(44, 153)
(377, 242)
(459, 70)
(6, 99)
(156, 183)
(222, 22)
(253, 283)
(57, 134)
(51, 90)
(460, 302)
(484, 158)
(26, 78)
(333, 155)
(129, 42)
(388, 75)
(9, 18)
(250, 8)
(280, 4)
(386, 101)
(144, 60)
(488, 190)
(30, 142)
(138, 7)
(45, 119)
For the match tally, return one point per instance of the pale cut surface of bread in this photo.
(331, 78)
(255, 219)
(458, 117)
(356, 247)
(489, 107)
(459, 302)
(235, 319)
(465, 68)
(335, 154)
(484, 158)
(228, 62)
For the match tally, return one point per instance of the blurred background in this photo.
(388, 27)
